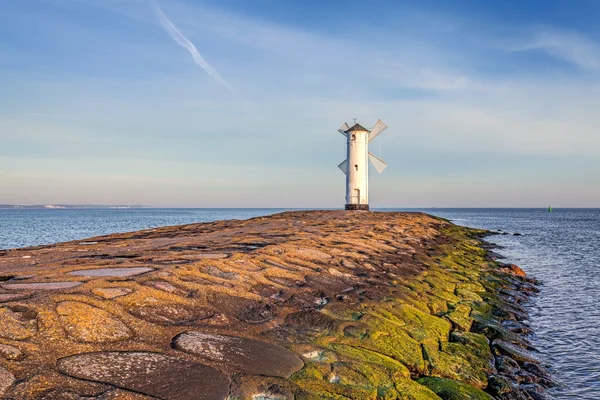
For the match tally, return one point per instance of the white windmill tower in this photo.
(356, 165)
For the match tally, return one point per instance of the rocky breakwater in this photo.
(299, 305)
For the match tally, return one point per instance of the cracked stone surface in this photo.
(153, 374)
(299, 305)
(253, 356)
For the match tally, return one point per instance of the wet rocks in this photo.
(248, 355)
(87, 323)
(513, 351)
(153, 374)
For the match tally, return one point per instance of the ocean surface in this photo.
(561, 248)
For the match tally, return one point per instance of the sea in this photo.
(560, 248)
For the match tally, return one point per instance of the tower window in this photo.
(353, 137)
(356, 167)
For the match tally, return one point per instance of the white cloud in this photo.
(565, 45)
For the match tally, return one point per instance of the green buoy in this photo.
(549, 208)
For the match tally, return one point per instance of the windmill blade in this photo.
(377, 129)
(377, 162)
(343, 129)
(344, 166)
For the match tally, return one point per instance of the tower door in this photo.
(355, 196)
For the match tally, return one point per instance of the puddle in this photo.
(41, 285)
(112, 271)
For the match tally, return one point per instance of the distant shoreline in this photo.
(65, 206)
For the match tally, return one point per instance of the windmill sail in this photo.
(343, 129)
(344, 166)
(377, 162)
(377, 129)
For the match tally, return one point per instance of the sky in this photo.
(190, 103)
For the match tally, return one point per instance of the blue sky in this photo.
(489, 103)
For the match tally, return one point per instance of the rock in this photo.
(535, 391)
(243, 309)
(514, 270)
(11, 353)
(503, 388)
(506, 365)
(328, 284)
(542, 374)
(17, 323)
(42, 285)
(111, 293)
(218, 273)
(308, 300)
(5, 297)
(449, 389)
(112, 272)
(172, 314)
(87, 323)
(153, 374)
(513, 351)
(6, 380)
(310, 320)
(167, 287)
(252, 356)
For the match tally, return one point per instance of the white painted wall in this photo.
(358, 167)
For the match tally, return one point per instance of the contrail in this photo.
(189, 46)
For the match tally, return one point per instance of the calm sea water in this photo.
(561, 248)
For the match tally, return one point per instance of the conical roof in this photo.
(357, 127)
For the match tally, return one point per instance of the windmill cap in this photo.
(357, 127)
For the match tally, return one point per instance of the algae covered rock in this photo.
(448, 389)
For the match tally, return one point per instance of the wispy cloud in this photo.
(189, 46)
(565, 45)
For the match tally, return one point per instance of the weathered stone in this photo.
(153, 374)
(243, 309)
(6, 297)
(6, 380)
(41, 285)
(10, 352)
(168, 287)
(116, 272)
(248, 355)
(172, 314)
(111, 293)
(17, 323)
(515, 352)
(87, 323)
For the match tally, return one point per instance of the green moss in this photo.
(411, 390)
(448, 389)
(461, 317)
